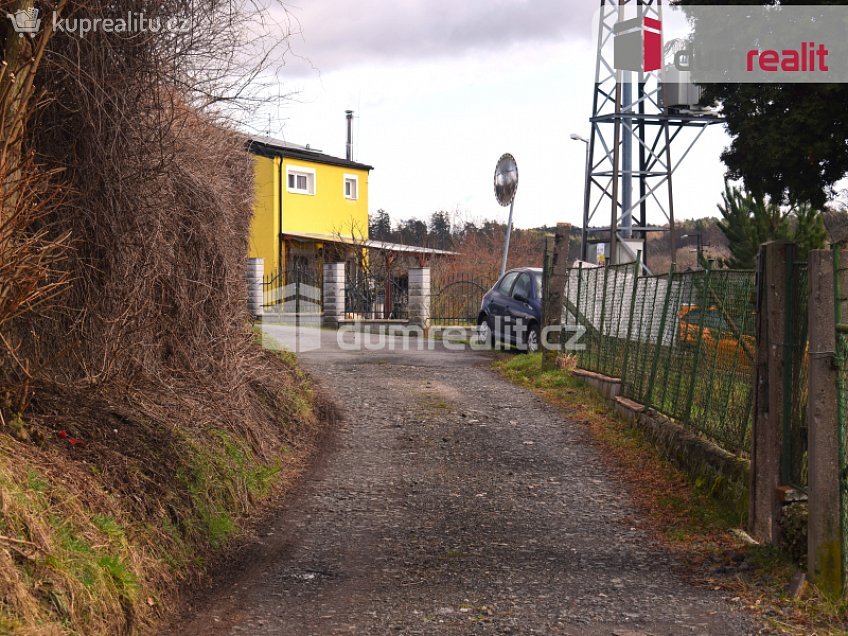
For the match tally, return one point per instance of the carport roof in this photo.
(371, 244)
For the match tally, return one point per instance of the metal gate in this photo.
(377, 296)
(295, 292)
(457, 300)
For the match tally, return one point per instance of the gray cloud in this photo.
(335, 34)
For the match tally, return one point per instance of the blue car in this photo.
(511, 311)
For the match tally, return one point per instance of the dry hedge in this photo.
(157, 204)
(141, 352)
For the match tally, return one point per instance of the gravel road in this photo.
(449, 501)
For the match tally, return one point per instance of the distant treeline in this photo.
(480, 241)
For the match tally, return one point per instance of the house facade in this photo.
(306, 203)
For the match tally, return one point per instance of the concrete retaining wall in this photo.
(603, 384)
(724, 475)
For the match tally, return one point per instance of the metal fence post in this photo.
(824, 531)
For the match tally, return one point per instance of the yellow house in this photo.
(305, 201)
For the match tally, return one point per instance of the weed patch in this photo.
(96, 538)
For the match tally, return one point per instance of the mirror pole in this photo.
(506, 241)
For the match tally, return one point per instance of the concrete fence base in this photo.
(603, 384)
(724, 475)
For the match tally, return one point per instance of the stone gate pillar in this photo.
(255, 272)
(334, 294)
(419, 297)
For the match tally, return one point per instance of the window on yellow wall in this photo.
(351, 187)
(301, 180)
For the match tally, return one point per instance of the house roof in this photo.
(377, 245)
(270, 147)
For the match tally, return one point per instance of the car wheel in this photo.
(485, 335)
(531, 340)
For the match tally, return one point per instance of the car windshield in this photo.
(506, 282)
(537, 277)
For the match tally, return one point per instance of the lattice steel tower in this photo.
(640, 125)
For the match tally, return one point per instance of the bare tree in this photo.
(376, 281)
(31, 247)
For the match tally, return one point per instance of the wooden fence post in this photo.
(824, 532)
(764, 501)
(553, 301)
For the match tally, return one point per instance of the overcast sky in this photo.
(441, 89)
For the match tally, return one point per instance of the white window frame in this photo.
(355, 179)
(311, 181)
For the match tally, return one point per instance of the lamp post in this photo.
(584, 248)
(699, 244)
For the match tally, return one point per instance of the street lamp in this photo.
(699, 243)
(584, 248)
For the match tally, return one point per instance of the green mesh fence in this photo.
(598, 299)
(682, 343)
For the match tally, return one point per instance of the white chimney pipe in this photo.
(349, 153)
